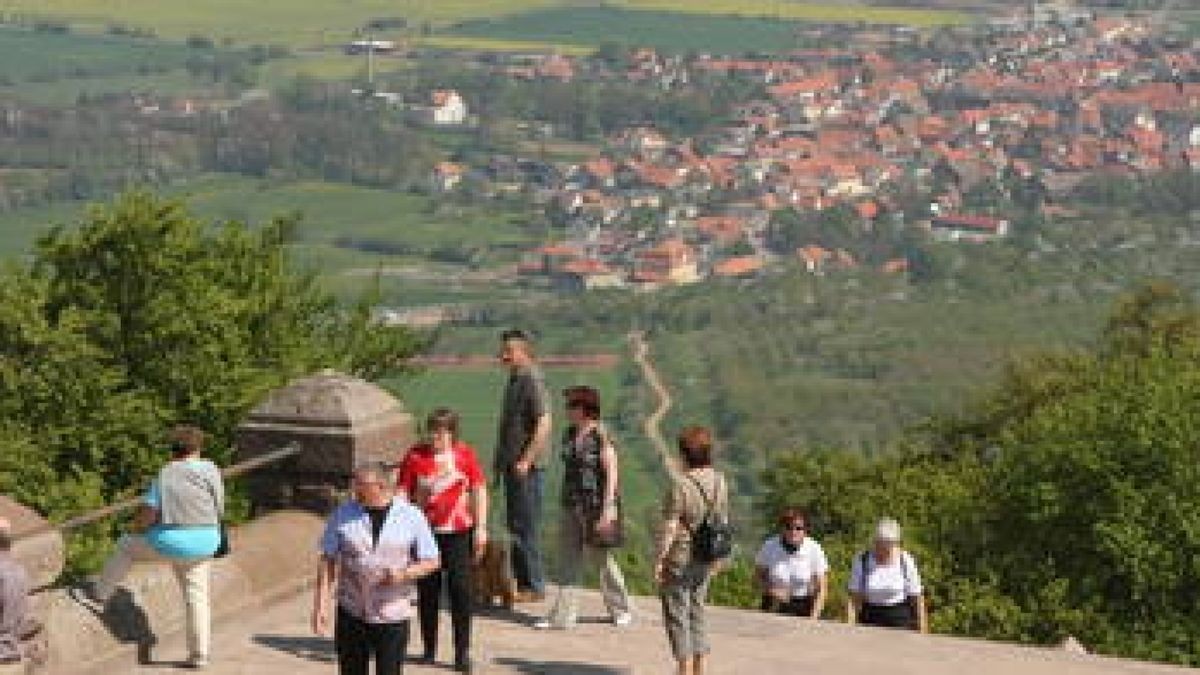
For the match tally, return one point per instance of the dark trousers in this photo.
(456, 552)
(901, 615)
(794, 607)
(356, 641)
(523, 498)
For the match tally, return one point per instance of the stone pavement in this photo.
(276, 641)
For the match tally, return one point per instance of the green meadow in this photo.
(667, 31)
(322, 23)
(40, 56)
(297, 23)
(346, 234)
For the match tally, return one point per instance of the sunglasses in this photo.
(795, 528)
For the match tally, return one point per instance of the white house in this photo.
(447, 108)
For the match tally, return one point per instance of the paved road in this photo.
(276, 641)
(653, 423)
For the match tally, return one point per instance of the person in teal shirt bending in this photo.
(177, 523)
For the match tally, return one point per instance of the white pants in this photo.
(191, 573)
(574, 556)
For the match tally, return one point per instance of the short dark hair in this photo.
(584, 398)
(792, 515)
(186, 439)
(515, 334)
(442, 418)
(696, 446)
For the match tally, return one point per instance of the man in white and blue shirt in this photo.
(376, 546)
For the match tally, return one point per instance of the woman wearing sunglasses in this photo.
(791, 569)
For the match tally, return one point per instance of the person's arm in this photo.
(147, 512)
(608, 458)
(539, 403)
(479, 505)
(536, 446)
(915, 591)
(424, 552)
(922, 614)
(322, 593)
(761, 579)
(670, 529)
(144, 517)
(854, 600)
(821, 584)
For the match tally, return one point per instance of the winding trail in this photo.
(653, 423)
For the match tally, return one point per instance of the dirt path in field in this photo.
(653, 424)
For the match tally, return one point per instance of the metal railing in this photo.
(233, 471)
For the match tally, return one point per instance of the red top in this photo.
(439, 484)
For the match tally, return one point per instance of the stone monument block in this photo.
(338, 421)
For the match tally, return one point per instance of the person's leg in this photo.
(429, 593)
(390, 642)
(698, 592)
(193, 577)
(131, 548)
(570, 558)
(612, 586)
(517, 515)
(352, 643)
(537, 579)
(457, 550)
(675, 612)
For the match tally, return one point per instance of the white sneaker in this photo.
(623, 619)
(547, 624)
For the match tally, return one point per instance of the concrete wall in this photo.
(272, 557)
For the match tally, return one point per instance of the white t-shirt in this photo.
(888, 584)
(794, 571)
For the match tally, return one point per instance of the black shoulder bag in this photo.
(712, 538)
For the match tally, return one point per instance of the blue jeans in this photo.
(523, 498)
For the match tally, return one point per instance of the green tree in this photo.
(1066, 501)
(145, 316)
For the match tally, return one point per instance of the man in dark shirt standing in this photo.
(520, 451)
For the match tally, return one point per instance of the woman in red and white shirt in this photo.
(443, 478)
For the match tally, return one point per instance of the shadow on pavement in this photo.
(559, 667)
(309, 648)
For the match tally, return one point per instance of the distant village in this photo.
(1041, 101)
(1046, 102)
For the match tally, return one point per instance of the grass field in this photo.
(329, 210)
(480, 42)
(667, 31)
(28, 55)
(841, 12)
(300, 23)
(311, 23)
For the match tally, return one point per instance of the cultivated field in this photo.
(41, 57)
(409, 224)
(324, 23)
(300, 23)
(667, 31)
(841, 12)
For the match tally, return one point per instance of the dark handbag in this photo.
(613, 537)
(712, 539)
(223, 544)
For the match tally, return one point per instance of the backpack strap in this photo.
(864, 560)
(708, 503)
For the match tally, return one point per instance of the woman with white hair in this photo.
(885, 586)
